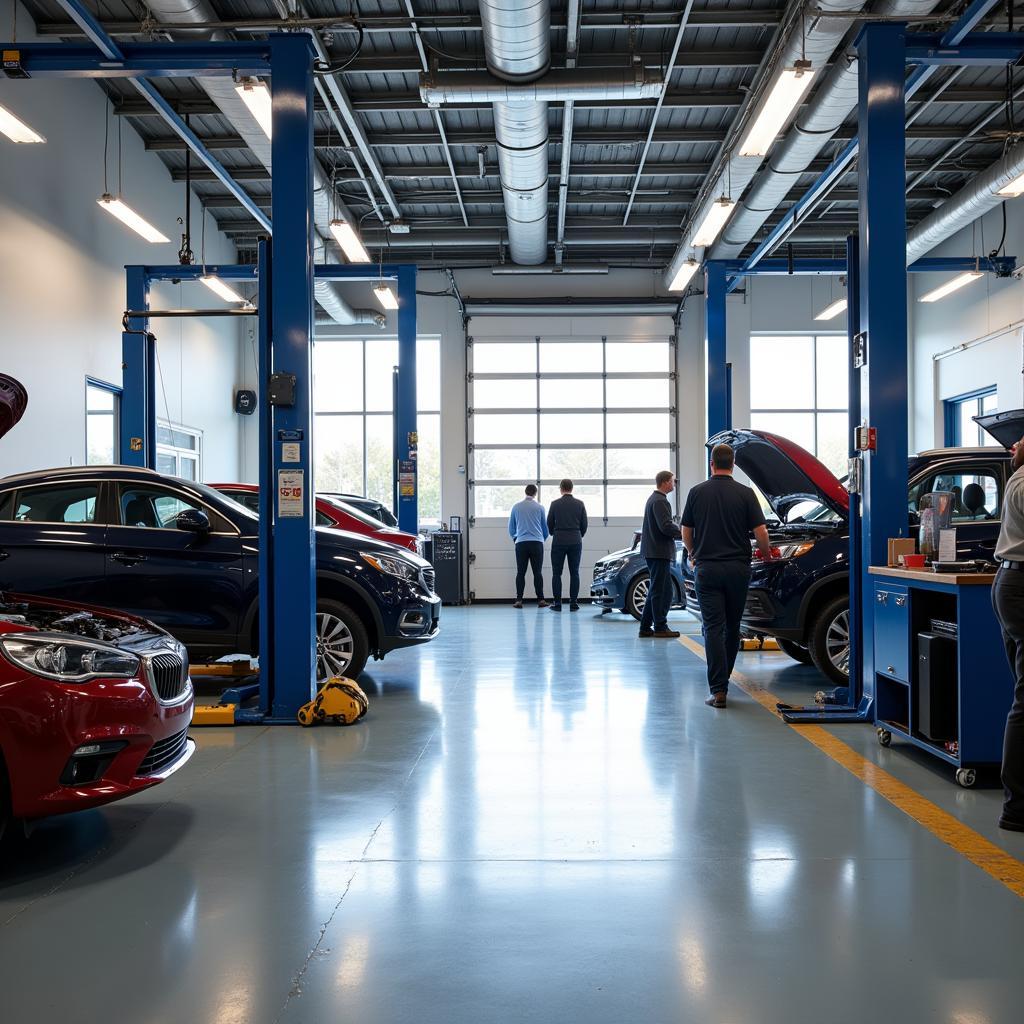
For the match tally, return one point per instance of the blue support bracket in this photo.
(137, 441)
(719, 413)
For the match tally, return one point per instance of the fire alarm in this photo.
(866, 439)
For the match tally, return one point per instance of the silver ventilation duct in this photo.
(517, 43)
(833, 102)
(556, 86)
(222, 91)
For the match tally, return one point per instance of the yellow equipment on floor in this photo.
(340, 700)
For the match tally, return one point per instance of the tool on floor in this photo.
(341, 700)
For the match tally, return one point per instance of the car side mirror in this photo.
(193, 520)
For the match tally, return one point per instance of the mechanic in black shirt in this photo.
(567, 524)
(719, 516)
(658, 547)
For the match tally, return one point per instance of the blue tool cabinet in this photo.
(906, 603)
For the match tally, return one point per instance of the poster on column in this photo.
(406, 478)
(290, 487)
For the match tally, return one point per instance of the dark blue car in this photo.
(802, 597)
(186, 557)
(621, 580)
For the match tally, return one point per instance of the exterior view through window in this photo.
(179, 451)
(101, 425)
(961, 430)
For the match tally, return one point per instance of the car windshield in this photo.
(811, 512)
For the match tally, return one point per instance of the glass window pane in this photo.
(428, 375)
(639, 428)
(833, 372)
(504, 394)
(639, 394)
(504, 357)
(380, 445)
(833, 443)
(74, 503)
(638, 463)
(338, 376)
(571, 428)
(429, 468)
(629, 499)
(591, 495)
(574, 463)
(504, 428)
(99, 441)
(571, 357)
(496, 501)
(571, 394)
(381, 359)
(639, 357)
(968, 428)
(794, 426)
(338, 447)
(166, 463)
(781, 373)
(505, 464)
(99, 399)
(188, 467)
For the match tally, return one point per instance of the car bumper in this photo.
(607, 592)
(418, 621)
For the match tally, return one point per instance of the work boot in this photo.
(665, 634)
(556, 606)
(541, 603)
(716, 700)
(574, 607)
(645, 634)
(517, 604)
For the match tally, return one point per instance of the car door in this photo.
(51, 540)
(189, 583)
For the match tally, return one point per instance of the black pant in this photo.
(1008, 602)
(559, 554)
(659, 595)
(530, 552)
(722, 594)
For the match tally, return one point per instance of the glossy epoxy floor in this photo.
(539, 821)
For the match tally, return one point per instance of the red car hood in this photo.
(783, 471)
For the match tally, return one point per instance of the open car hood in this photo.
(783, 471)
(1006, 427)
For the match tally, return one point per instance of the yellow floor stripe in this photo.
(993, 860)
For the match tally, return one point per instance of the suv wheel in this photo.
(829, 641)
(636, 594)
(342, 646)
(796, 651)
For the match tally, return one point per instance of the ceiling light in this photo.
(785, 97)
(350, 242)
(1014, 188)
(386, 297)
(711, 227)
(126, 215)
(684, 275)
(218, 287)
(256, 96)
(949, 287)
(15, 129)
(833, 310)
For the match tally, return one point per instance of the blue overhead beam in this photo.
(137, 60)
(737, 269)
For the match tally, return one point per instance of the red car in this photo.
(333, 513)
(94, 706)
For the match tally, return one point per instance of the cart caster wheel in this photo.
(884, 737)
(819, 697)
(966, 777)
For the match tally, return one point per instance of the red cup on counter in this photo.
(913, 561)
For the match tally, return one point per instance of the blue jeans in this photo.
(722, 595)
(659, 595)
(559, 554)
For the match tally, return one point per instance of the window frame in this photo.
(951, 415)
(16, 492)
(953, 467)
(120, 485)
(178, 453)
(117, 393)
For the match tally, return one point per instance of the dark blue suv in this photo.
(802, 597)
(185, 556)
(621, 580)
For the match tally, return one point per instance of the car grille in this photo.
(427, 577)
(168, 676)
(163, 753)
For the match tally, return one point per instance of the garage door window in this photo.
(179, 451)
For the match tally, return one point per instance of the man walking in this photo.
(1008, 602)
(658, 547)
(719, 516)
(567, 521)
(528, 528)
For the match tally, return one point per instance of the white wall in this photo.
(62, 282)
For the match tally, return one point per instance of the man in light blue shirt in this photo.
(528, 527)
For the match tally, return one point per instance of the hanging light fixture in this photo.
(784, 98)
(684, 275)
(832, 310)
(349, 240)
(1014, 188)
(958, 282)
(126, 215)
(256, 96)
(15, 129)
(385, 296)
(218, 287)
(711, 227)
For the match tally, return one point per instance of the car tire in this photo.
(796, 651)
(636, 594)
(829, 640)
(342, 645)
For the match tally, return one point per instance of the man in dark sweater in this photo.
(567, 524)
(658, 547)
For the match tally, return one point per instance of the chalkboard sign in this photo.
(446, 547)
(446, 558)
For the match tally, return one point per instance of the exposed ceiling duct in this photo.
(517, 44)
(811, 38)
(556, 86)
(223, 92)
(833, 102)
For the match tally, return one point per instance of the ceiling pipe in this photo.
(557, 86)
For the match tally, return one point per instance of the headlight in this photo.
(68, 661)
(606, 568)
(795, 550)
(391, 565)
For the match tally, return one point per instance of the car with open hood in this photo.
(801, 597)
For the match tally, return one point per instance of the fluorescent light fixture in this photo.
(350, 242)
(126, 215)
(785, 97)
(1014, 188)
(949, 287)
(15, 129)
(684, 275)
(514, 269)
(830, 312)
(218, 287)
(386, 297)
(256, 96)
(711, 227)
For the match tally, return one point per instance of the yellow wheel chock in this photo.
(339, 700)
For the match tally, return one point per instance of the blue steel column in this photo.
(405, 410)
(267, 492)
(719, 414)
(883, 302)
(136, 379)
(291, 565)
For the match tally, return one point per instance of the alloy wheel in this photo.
(334, 646)
(640, 595)
(837, 642)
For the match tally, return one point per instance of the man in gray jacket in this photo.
(658, 547)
